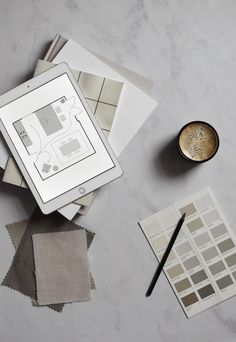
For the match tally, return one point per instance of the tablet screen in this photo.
(55, 138)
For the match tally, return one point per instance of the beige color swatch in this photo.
(195, 225)
(175, 271)
(182, 285)
(159, 242)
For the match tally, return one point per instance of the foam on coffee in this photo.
(198, 141)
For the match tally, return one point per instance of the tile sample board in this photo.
(201, 267)
(101, 93)
(135, 106)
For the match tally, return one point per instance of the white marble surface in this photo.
(187, 48)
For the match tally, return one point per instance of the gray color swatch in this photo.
(231, 260)
(226, 245)
(48, 120)
(202, 239)
(199, 276)
(188, 209)
(224, 282)
(184, 248)
(219, 230)
(211, 217)
(217, 267)
(234, 275)
(191, 263)
(210, 253)
(204, 202)
(182, 285)
(189, 299)
(175, 271)
(206, 291)
(195, 225)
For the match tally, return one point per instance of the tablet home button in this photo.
(82, 190)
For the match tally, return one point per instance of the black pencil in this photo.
(165, 256)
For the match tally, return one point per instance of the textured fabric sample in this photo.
(21, 273)
(61, 267)
(16, 231)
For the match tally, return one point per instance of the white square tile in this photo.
(111, 92)
(92, 104)
(90, 85)
(105, 115)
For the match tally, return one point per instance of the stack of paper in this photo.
(120, 111)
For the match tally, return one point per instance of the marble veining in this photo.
(187, 49)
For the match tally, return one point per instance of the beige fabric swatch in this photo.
(61, 267)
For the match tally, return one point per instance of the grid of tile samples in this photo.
(201, 267)
(102, 95)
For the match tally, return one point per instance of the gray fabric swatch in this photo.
(21, 273)
(16, 231)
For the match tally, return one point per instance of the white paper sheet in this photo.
(140, 81)
(135, 106)
(4, 153)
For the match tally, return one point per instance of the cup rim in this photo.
(217, 140)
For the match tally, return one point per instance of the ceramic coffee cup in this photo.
(198, 141)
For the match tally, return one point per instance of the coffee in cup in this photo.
(198, 141)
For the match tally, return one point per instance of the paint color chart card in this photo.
(201, 267)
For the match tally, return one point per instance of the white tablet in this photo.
(55, 139)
